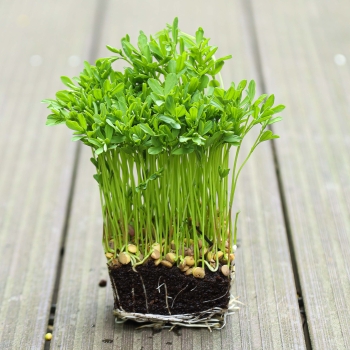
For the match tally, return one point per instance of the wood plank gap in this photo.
(101, 8)
(254, 44)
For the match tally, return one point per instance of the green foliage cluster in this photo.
(161, 132)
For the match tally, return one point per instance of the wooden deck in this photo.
(293, 263)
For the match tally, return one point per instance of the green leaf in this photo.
(77, 138)
(66, 81)
(155, 150)
(223, 172)
(278, 109)
(207, 127)
(52, 119)
(203, 83)
(143, 46)
(82, 121)
(231, 138)
(146, 128)
(268, 103)
(217, 67)
(169, 121)
(170, 104)
(199, 35)
(118, 139)
(99, 151)
(113, 49)
(251, 90)
(268, 135)
(74, 125)
(98, 178)
(170, 82)
(155, 86)
(174, 29)
(274, 120)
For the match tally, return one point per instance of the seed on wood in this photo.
(109, 255)
(124, 258)
(171, 257)
(189, 272)
(189, 260)
(157, 262)
(155, 255)
(102, 283)
(225, 270)
(48, 336)
(132, 248)
(166, 263)
(198, 272)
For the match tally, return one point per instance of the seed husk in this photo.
(189, 260)
(166, 263)
(189, 272)
(131, 230)
(171, 257)
(124, 258)
(172, 245)
(157, 262)
(225, 270)
(156, 246)
(185, 268)
(200, 243)
(48, 336)
(111, 244)
(109, 255)
(132, 248)
(155, 255)
(232, 257)
(210, 256)
(182, 265)
(189, 252)
(220, 254)
(198, 272)
(115, 262)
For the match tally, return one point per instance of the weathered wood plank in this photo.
(270, 317)
(36, 162)
(298, 43)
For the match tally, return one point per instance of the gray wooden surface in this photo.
(298, 43)
(48, 196)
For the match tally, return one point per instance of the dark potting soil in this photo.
(164, 291)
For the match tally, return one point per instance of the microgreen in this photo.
(161, 133)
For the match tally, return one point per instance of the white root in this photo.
(214, 318)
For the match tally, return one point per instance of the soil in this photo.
(185, 294)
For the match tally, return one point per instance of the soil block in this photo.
(167, 291)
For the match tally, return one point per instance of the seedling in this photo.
(161, 133)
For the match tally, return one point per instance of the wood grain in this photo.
(270, 315)
(36, 161)
(298, 43)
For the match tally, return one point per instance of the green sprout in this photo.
(161, 133)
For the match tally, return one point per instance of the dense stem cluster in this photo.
(179, 202)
